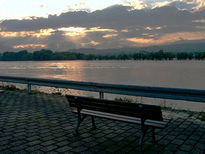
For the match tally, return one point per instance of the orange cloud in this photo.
(167, 38)
(42, 6)
(149, 35)
(40, 33)
(148, 28)
(124, 30)
(158, 28)
(110, 35)
(93, 43)
(30, 46)
(99, 29)
(154, 28)
(140, 40)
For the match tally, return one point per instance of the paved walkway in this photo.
(41, 123)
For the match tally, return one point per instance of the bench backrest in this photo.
(144, 111)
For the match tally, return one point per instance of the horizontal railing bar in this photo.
(145, 91)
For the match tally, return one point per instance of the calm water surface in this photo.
(176, 74)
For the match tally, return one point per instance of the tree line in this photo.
(43, 54)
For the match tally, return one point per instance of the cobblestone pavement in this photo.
(41, 123)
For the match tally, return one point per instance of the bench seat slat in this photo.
(157, 124)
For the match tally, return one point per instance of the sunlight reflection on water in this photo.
(176, 74)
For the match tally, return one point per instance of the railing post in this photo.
(29, 88)
(101, 95)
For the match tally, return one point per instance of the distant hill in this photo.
(177, 47)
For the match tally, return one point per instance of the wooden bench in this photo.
(148, 116)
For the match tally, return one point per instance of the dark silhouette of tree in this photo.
(142, 55)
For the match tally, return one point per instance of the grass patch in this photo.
(14, 88)
(9, 87)
(56, 93)
(201, 116)
(126, 99)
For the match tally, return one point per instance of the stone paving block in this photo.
(194, 137)
(60, 138)
(4, 147)
(180, 152)
(170, 137)
(47, 138)
(182, 137)
(52, 152)
(4, 142)
(37, 152)
(91, 144)
(197, 151)
(77, 144)
(33, 143)
(100, 152)
(171, 148)
(164, 142)
(48, 143)
(49, 148)
(117, 138)
(190, 141)
(33, 138)
(17, 143)
(78, 149)
(186, 147)
(97, 149)
(7, 151)
(201, 146)
(178, 141)
(128, 149)
(112, 149)
(18, 148)
(34, 148)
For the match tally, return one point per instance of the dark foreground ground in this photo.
(41, 123)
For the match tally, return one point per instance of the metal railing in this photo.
(144, 91)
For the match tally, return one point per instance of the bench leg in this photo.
(143, 130)
(153, 135)
(80, 120)
(93, 123)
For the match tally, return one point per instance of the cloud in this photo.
(110, 35)
(116, 17)
(167, 38)
(90, 44)
(135, 4)
(29, 46)
(160, 4)
(201, 4)
(191, 5)
(113, 27)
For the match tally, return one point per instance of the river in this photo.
(175, 74)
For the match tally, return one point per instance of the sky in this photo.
(60, 25)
